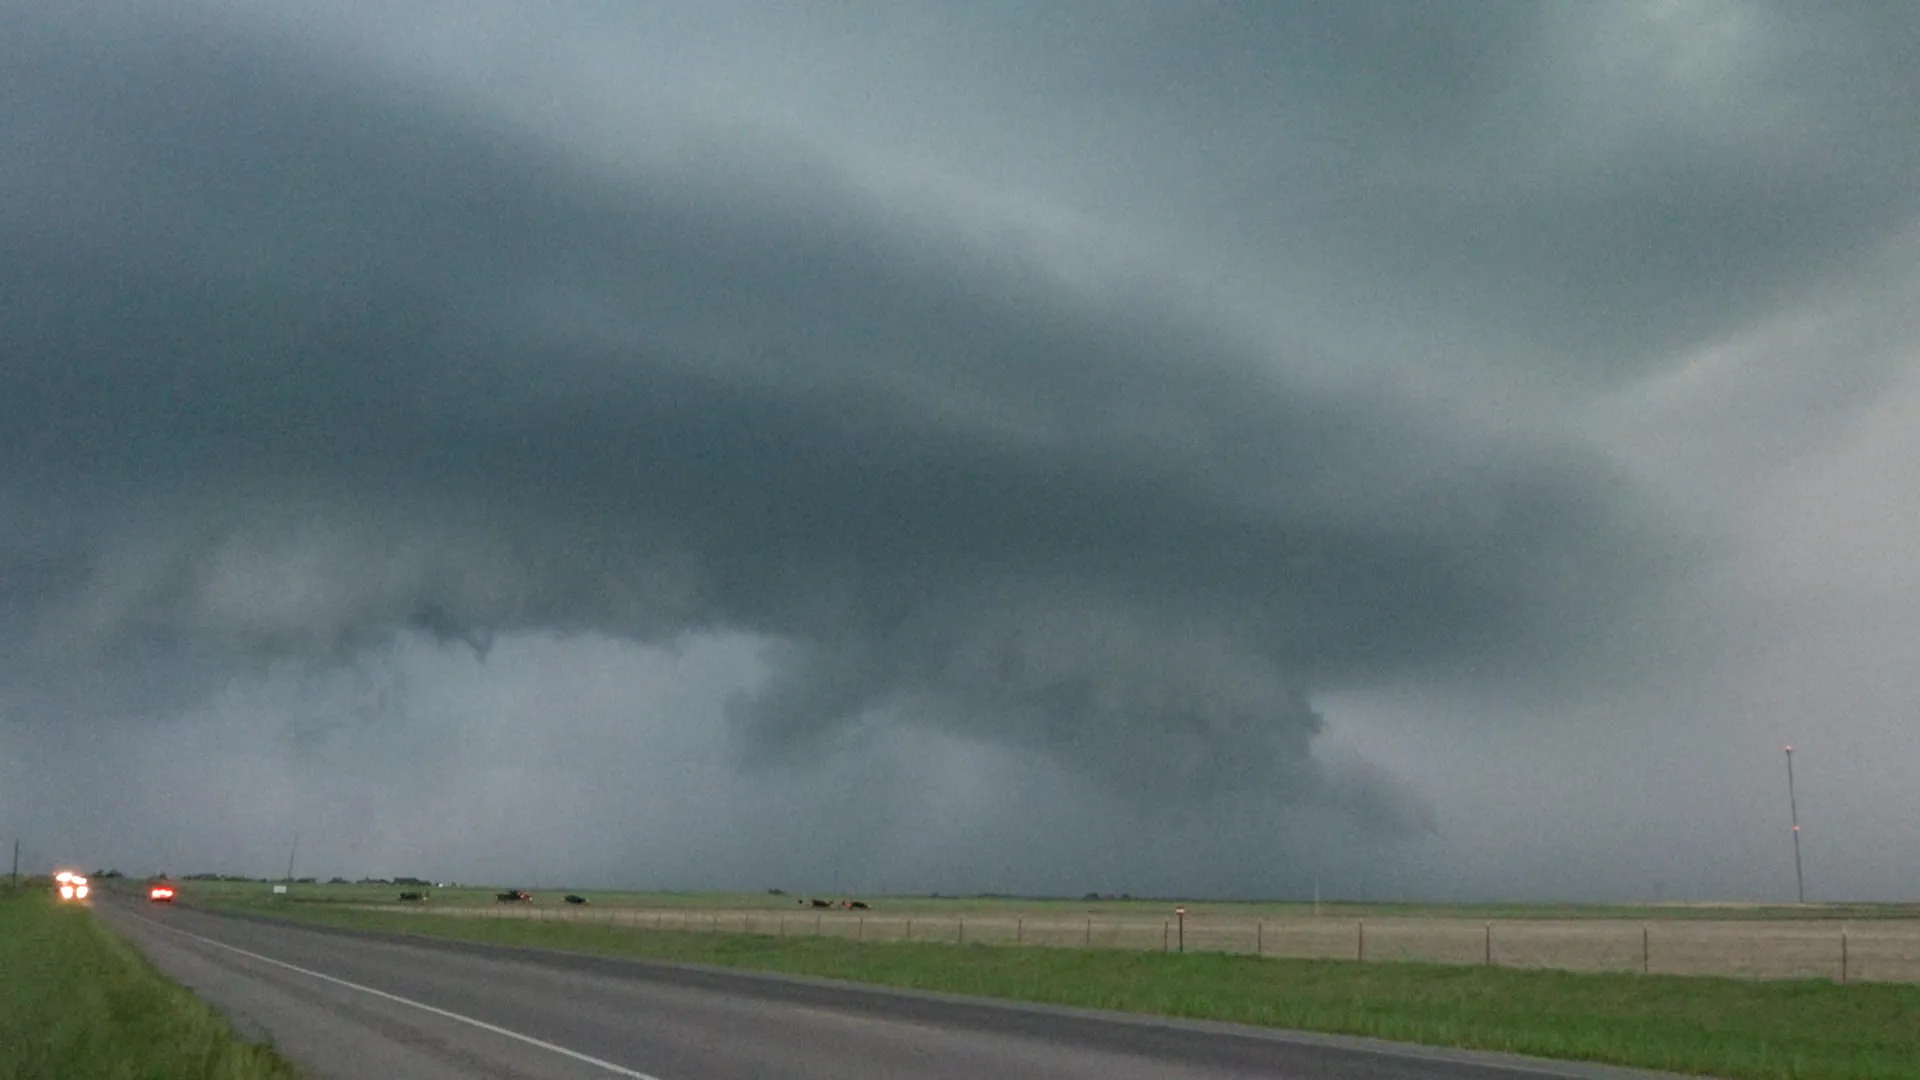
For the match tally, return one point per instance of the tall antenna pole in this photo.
(290, 854)
(1793, 807)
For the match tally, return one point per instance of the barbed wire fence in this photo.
(1881, 950)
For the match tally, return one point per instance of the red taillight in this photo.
(162, 894)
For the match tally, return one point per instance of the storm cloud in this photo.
(1120, 387)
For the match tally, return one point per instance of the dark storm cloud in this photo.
(1582, 188)
(302, 350)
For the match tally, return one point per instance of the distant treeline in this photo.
(296, 881)
(1022, 896)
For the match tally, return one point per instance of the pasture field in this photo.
(1743, 1029)
(76, 1001)
(1011, 906)
(1840, 942)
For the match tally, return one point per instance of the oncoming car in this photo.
(161, 894)
(72, 886)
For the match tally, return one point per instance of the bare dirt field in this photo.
(1880, 950)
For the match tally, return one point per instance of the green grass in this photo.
(77, 1002)
(1740, 1029)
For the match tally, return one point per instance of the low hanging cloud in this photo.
(305, 350)
(304, 362)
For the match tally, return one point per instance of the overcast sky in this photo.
(1433, 450)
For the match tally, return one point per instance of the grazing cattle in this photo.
(858, 905)
(822, 903)
(572, 899)
(511, 897)
(412, 896)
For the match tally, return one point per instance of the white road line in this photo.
(617, 1070)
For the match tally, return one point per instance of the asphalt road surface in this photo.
(354, 1005)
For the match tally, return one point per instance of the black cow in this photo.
(822, 903)
(511, 897)
(857, 905)
(412, 896)
(572, 899)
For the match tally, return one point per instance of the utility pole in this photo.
(1793, 808)
(16, 864)
(290, 855)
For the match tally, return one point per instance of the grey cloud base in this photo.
(793, 424)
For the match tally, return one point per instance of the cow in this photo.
(857, 905)
(822, 903)
(572, 899)
(513, 896)
(409, 897)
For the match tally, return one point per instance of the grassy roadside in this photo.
(1730, 1028)
(77, 1002)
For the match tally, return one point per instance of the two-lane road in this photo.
(353, 1006)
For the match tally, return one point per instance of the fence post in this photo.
(1843, 955)
(909, 928)
(962, 940)
(1260, 937)
(783, 926)
(1166, 935)
(1646, 949)
(1489, 944)
(1019, 931)
(1360, 941)
(1089, 931)
(816, 925)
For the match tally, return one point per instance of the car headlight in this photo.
(80, 891)
(66, 892)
